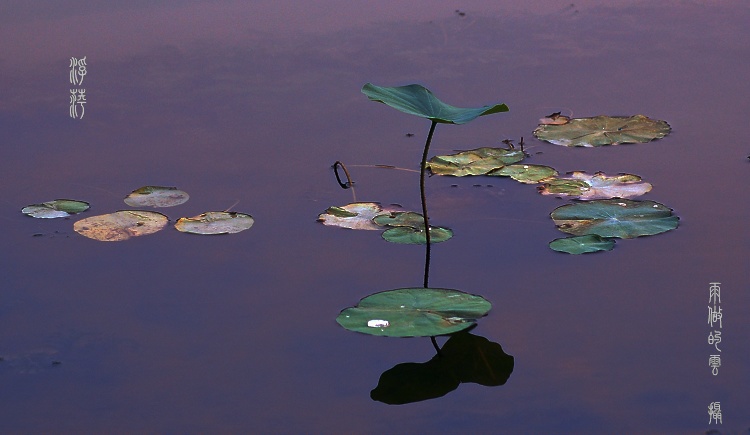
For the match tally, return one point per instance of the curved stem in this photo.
(422, 170)
(349, 183)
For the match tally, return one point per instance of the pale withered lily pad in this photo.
(582, 244)
(528, 174)
(621, 218)
(215, 222)
(420, 101)
(598, 186)
(409, 229)
(55, 209)
(356, 216)
(414, 312)
(156, 196)
(603, 130)
(473, 162)
(121, 225)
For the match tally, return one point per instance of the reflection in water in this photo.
(463, 358)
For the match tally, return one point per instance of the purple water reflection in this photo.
(236, 334)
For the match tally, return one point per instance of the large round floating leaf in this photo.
(420, 101)
(582, 244)
(156, 196)
(215, 222)
(621, 218)
(603, 130)
(55, 209)
(356, 216)
(598, 186)
(414, 312)
(121, 225)
(528, 174)
(474, 162)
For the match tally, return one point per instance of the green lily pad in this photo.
(598, 186)
(621, 218)
(418, 100)
(582, 244)
(528, 174)
(414, 312)
(156, 196)
(121, 225)
(603, 130)
(215, 222)
(409, 229)
(416, 236)
(55, 209)
(473, 162)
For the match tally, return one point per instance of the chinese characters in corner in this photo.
(77, 95)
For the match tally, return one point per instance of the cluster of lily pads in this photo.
(601, 211)
(125, 224)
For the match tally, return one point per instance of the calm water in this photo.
(251, 104)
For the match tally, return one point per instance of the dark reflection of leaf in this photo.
(465, 358)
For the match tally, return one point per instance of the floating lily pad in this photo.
(582, 244)
(474, 162)
(598, 186)
(156, 196)
(416, 236)
(529, 174)
(621, 218)
(215, 222)
(603, 130)
(420, 101)
(356, 216)
(414, 312)
(121, 225)
(409, 229)
(55, 209)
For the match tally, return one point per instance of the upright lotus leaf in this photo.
(414, 312)
(215, 222)
(474, 162)
(598, 186)
(55, 209)
(156, 196)
(528, 174)
(418, 100)
(621, 218)
(356, 216)
(121, 225)
(582, 244)
(603, 130)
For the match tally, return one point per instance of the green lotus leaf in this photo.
(420, 101)
(414, 312)
(416, 236)
(356, 216)
(473, 162)
(621, 218)
(121, 225)
(603, 130)
(400, 219)
(582, 244)
(529, 174)
(598, 186)
(156, 196)
(215, 222)
(55, 209)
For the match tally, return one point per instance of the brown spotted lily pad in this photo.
(121, 225)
